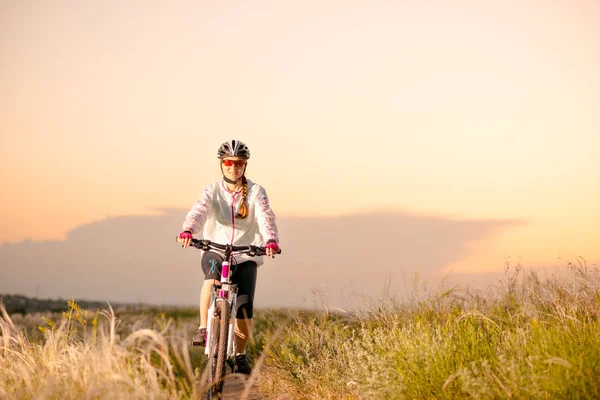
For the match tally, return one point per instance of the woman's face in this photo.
(233, 167)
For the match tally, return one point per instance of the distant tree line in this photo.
(17, 304)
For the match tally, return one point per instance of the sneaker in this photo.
(199, 338)
(241, 364)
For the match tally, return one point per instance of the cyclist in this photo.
(232, 211)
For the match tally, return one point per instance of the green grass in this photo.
(531, 339)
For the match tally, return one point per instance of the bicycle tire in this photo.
(214, 385)
(223, 342)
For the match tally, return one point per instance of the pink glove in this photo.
(185, 235)
(272, 245)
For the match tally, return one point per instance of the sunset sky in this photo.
(466, 110)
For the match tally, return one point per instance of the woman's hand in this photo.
(271, 249)
(185, 238)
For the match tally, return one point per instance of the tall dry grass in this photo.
(530, 338)
(91, 357)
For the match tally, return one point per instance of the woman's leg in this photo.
(243, 330)
(205, 294)
(211, 262)
(245, 278)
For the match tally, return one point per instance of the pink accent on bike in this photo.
(225, 271)
(272, 245)
(185, 235)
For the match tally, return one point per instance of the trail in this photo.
(234, 387)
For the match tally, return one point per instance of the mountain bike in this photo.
(220, 346)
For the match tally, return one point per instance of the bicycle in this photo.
(220, 347)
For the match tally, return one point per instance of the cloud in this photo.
(135, 259)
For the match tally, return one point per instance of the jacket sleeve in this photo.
(265, 217)
(196, 217)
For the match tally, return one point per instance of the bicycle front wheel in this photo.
(218, 350)
(214, 385)
(223, 341)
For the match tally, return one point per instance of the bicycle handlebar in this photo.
(252, 251)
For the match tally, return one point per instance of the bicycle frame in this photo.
(226, 292)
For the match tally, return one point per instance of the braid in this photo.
(243, 212)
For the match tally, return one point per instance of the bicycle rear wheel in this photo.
(214, 385)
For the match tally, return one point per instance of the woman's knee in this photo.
(209, 282)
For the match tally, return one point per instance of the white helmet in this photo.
(234, 148)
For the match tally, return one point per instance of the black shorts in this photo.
(242, 274)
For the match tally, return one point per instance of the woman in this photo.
(235, 211)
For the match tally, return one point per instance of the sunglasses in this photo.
(237, 163)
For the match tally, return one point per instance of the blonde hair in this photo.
(243, 211)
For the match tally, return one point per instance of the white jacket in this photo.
(213, 215)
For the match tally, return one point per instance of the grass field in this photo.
(528, 338)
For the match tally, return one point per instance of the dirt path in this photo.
(234, 387)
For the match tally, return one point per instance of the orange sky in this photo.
(469, 109)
